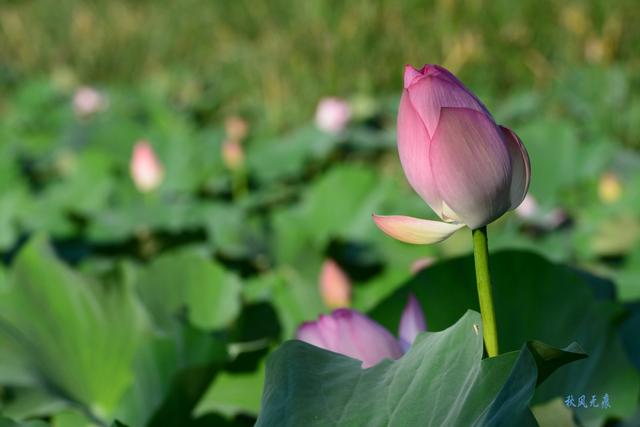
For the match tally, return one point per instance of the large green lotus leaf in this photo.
(140, 214)
(554, 413)
(555, 168)
(14, 369)
(86, 184)
(556, 246)
(535, 299)
(287, 157)
(72, 418)
(10, 210)
(172, 371)
(233, 232)
(631, 335)
(295, 297)
(232, 393)
(13, 192)
(79, 339)
(35, 115)
(29, 403)
(442, 380)
(7, 422)
(628, 277)
(336, 204)
(210, 294)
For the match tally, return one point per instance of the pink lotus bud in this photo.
(554, 219)
(353, 334)
(529, 208)
(232, 154)
(332, 115)
(411, 323)
(530, 211)
(236, 128)
(146, 170)
(421, 263)
(88, 101)
(335, 286)
(467, 168)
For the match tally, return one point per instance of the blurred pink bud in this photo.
(530, 211)
(232, 154)
(146, 170)
(411, 323)
(236, 128)
(88, 101)
(529, 208)
(353, 334)
(467, 168)
(335, 286)
(421, 263)
(555, 218)
(332, 115)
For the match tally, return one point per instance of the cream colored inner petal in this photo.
(448, 215)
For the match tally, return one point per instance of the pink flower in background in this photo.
(529, 208)
(88, 101)
(353, 334)
(335, 286)
(411, 323)
(232, 154)
(332, 115)
(467, 168)
(530, 211)
(236, 128)
(555, 218)
(146, 170)
(422, 263)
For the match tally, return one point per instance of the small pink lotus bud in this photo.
(411, 323)
(88, 101)
(353, 334)
(236, 128)
(467, 168)
(332, 115)
(232, 154)
(609, 188)
(528, 209)
(146, 170)
(335, 286)
(421, 263)
(554, 219)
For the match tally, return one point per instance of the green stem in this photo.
(240, 186)
(481, 256)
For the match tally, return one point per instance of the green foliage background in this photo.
(170, 308)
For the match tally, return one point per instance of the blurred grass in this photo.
(272, 60)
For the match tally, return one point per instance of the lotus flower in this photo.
(335, 286)
(529, 208)
(353, 334)
(421, 264)
(468, 169)
(88, 101)
(530, 211)
(236, 128)
(233, 154)
(332, 115)
(146, 170)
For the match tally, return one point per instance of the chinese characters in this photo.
(603, 403)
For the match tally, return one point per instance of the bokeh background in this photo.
(161, 305)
